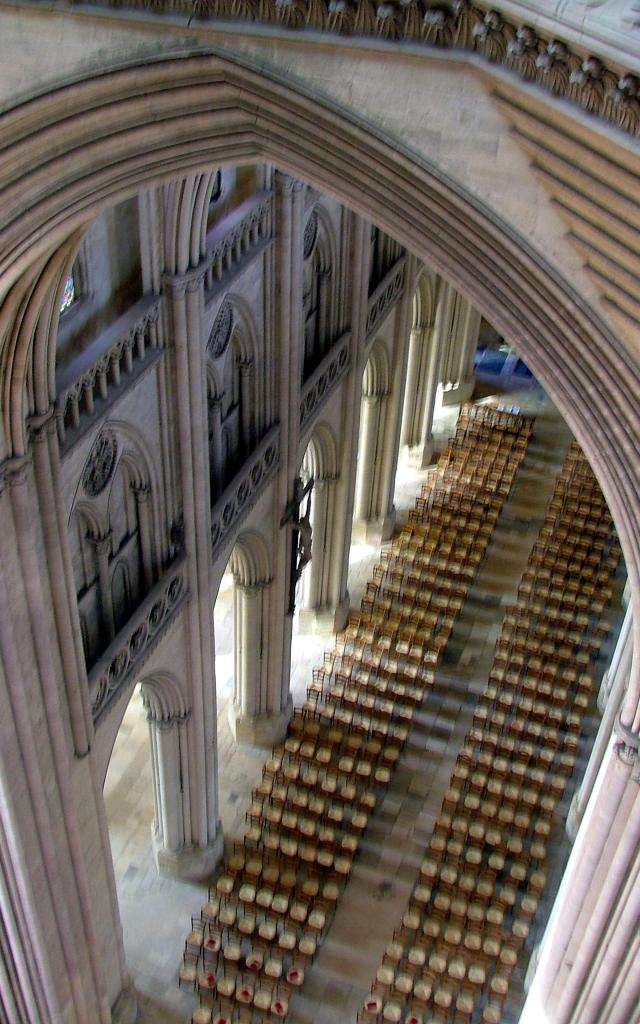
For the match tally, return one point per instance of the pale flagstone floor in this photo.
(155, 911)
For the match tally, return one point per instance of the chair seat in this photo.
(385, 974)
(273, 967)
(423, 990)
(307, 945)
(287, 940)
(404, 983)
(417, 956)
(262, 999)
(392, 1012)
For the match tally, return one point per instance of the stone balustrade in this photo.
(241, 494)
(131, 647)
(388, 292)
(324, 378)
(243, 230)
(93, 378)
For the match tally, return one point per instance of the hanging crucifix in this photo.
(300, 534)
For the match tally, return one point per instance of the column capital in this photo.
(101, 542)
(252, 588)
(177, 285)
(168, 723)
(142, 492)
(40, 426)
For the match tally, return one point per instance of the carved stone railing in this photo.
(245, 229)
(100, 372)
(241, 494)
(385, 296)
(130, 649)
(562, 60)
(324, 379)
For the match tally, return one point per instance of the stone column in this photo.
(215, 454)
(412, 410)
(317, 612)
(289, 336)
(247, 403)
(369, 454)
(102, 547)
(142, 495)
(618, 675)
(468, 354)
(324, 297)
(620, 667)
(442, 322)
(67, 962)
(203, 843)
(168, 827)
(459, 377)
(385, 508)
(250, 717)
(581, 977)
(343, 506)
(53, 516)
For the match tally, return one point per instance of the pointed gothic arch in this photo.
(566, 344)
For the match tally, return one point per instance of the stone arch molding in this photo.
(250, 560)
(77, 149)
(163, 699)
(320, 459)
(375, 379)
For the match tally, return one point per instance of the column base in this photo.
(418, 456)
(460, 392)
(374, 531)
(324, 621)
(191, 863)
(125, 1008)
(260, 730)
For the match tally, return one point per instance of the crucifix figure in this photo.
(300, 534)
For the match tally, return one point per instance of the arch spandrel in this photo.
(135, 127)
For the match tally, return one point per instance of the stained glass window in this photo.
(69, 294)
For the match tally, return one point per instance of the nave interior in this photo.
(156, 910)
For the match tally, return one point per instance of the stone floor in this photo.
(155, 911)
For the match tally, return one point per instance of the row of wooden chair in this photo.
(512, 769)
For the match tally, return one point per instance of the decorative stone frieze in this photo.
(385, 296)
(611, 93)
(129, 650)
(239, 497)
(323, 380)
